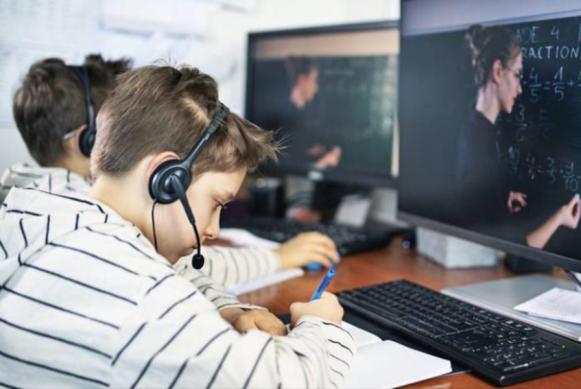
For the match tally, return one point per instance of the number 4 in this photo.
(555, 32)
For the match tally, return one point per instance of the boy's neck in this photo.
(122, 193)
(79, 165)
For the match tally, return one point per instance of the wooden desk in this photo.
(392, 263)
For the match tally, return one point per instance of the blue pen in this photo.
(328, 277)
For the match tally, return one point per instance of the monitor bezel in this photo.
(509, 247)
(371, 180)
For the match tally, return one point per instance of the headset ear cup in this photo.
(160, 187)
(87, 141)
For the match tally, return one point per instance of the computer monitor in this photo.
(490, 118)
(330, 93)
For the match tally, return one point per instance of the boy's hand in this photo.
(327, 308)
(307, 247)
(258, 319)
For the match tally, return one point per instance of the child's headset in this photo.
(170, 180)
(87, 136)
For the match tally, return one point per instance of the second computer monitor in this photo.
(331, 95)
(489, 110)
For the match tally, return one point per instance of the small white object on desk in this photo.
(242, 237)
(452, 252)
(556, 304)
(388, 364)
(270, 279)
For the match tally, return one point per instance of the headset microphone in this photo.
(198, 258)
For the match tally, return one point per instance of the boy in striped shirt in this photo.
(51, 114)
(87, 299)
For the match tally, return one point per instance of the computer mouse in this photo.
(313, 266)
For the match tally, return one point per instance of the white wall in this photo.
(12, 148)
(226, 41)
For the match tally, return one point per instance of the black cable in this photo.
(574, 277)
(153, 223)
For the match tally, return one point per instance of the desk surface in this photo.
(392, 263)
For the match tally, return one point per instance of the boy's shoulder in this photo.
(121, 244)
(124, 262)
(50, 179)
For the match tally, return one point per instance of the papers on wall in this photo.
(144, 30)
(170, 16)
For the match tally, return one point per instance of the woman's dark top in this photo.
(481, 183)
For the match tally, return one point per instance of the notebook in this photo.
(388, 364)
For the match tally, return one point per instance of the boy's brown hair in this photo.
(161, 108)
(50, 102)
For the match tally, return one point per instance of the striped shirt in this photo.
(85, 300)
(226, 265)
(230, 266)
(54, 180)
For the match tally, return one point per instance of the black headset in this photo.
(87, 136)
(170, 180)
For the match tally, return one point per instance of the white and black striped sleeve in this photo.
(185, 343)
(212, 290)
(230, 266)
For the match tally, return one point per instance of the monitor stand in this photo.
(502, 295)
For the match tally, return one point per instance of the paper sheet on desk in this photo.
(556, 304)
(388, 364)
(360, 336)
(242, 237)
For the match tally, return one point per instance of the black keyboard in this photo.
(502, 350)
(349, 240)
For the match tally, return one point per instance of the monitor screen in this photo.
(490, 117)
(330, 93)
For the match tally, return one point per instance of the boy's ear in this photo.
(157, 160)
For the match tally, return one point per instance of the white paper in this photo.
(242, 237)
(361, 336)
(275, 278)
(557, 304)
(389, 364)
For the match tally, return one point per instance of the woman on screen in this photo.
(486, 193)
(497, 64)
